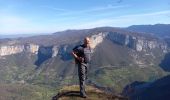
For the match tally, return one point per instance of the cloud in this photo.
(17, 24)
(13, 24)
(127, 20)
(165, 12)
(54, 8)
(94, 9)
(103, 22)
(68, 15)
(108, 7)
(12, 21)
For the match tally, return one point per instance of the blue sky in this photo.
(48, 16)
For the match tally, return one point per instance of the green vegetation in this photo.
(118, 78)
(25, 92)
(54, 74)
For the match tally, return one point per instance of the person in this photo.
(82, 55)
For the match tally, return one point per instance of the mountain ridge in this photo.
(120, 57)
(160, 30)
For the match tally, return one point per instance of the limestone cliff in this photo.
(13, 49)
(55, 51)
(136, 42)
(97, 39)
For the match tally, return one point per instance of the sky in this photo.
(48, 16)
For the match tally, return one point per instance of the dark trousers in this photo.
(82, 73)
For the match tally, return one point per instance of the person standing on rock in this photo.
(82, 55)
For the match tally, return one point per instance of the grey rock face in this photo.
(136, 42)
(13, 49)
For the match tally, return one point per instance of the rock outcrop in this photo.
(137, 43)
(55, 50)
(13, 49)
(97, 39)
(72, 93)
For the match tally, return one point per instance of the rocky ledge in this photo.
(72, 93)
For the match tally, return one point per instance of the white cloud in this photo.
(149, 14)
(54, 8)
(91, 10)
(11, 23)
(108, 7)
(19, 25)
(127, 20)
(16, 24)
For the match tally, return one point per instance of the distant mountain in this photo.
(160, 30)
(16, 36)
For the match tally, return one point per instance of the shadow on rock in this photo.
(165, 63)
(66, 94)
(156, 90)
(93, 93)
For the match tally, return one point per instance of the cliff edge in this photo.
(72, 93)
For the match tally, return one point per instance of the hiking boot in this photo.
(83, 95)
